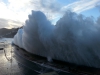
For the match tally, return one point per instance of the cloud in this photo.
(17, 10)
(14, 13)
(3, 23)
(98, 6)
(50, 5)
(21, 8)
(51, 8)
(6, 23)
(81, 5)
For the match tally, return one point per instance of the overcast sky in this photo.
(13, 13)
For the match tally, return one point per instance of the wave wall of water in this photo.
(74, 39)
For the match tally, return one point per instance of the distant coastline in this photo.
(8, 33)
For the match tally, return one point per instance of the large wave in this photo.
(74, 38)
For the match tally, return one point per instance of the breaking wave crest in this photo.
(74, 38)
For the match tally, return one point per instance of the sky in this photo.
(13, 13)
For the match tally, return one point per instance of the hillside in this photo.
(8, 33)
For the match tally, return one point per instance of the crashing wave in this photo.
(74, 38)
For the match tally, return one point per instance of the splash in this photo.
(74, 38)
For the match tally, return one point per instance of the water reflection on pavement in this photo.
(10, 66)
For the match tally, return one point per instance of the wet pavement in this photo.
(8, 65)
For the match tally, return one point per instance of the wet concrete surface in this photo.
(8, 65)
